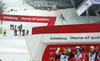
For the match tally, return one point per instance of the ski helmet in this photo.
(77, 47)
(92, 47)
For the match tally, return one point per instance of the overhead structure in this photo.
(81, 6)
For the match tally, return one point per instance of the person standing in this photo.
(10, 26)
(92, 54)
(0, 30)
(20, 31)
(21, 26)
(27, 32)
(4, 32)
(15, 26)
(78, 55)
(65, 55)
(23, 32)
(1, 22)
(15, 32)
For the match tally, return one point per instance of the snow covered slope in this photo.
(72, 17)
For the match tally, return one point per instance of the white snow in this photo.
(72, 17)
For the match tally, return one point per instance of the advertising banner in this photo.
(20, 18)
(80, 28)
(84, 7)
(50, 51)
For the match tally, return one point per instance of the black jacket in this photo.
(69, 54)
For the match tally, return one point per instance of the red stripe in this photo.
(19, 18)
(82, 28)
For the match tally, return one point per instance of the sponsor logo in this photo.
(6, 17)
(33, 18)
(52, 48)
(38, 19)
(58, 38)
(42, 19)
(23, 18)
(51, 53)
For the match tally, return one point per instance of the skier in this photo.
(10, 26)
(92, 54)
(78, 54)
(62, 17)
(20, 31)
(1, 22)
(0, 30)
(27, 32)
(15, 32)
(15, 26)
(65, 55)
(4, 32)
(83, 53)
(23, 32)
(20, 28)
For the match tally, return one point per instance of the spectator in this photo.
(10, 26)
(1, 22)
(20, 28)
(4, 32)
(15, 32)
(23, 32)
(20, 31)
(15, 26)
(27, 32)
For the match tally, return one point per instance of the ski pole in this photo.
(58, 49)
(96, 54)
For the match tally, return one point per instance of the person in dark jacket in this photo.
(66, 56)
(4, 32)
(20, 30)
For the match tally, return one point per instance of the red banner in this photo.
(50, 50)
(20, 18)
(82, 28)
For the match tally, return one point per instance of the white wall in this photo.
(35, 48)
